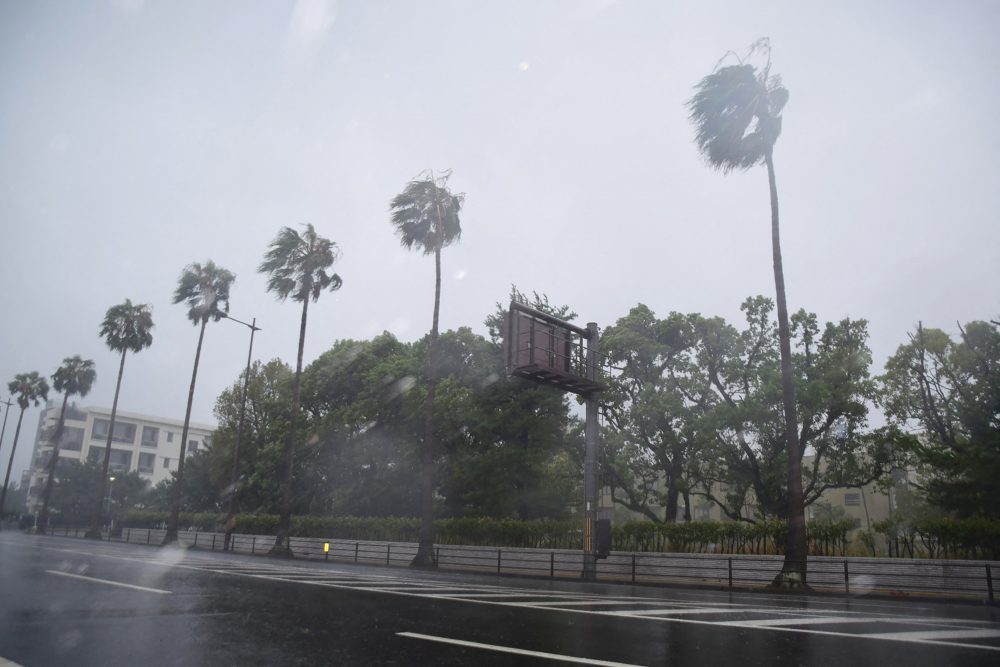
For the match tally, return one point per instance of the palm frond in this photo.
(127, 327)
(297, 264)
(426, 215)
(30, 388)
(75, 377)
(205, 289)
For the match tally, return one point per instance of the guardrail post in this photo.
(196, 539)
(356, 551)
(128, 534)
(552, 565)
(847, 580)
(437, 554)
(388, 551)
(213, 541)
(633, 568)
(989, 581)
(253, 544)
(149, 534)
(498, 560)
(730, 574)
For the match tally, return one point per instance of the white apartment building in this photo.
(140, 443)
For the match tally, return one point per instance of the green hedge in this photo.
(972, 538)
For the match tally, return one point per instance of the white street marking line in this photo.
(108, 582)
(486, 596)
(802, 620)
(515, 651)
(688, 611)
(586, 602)
(938, 634)
(4, 662)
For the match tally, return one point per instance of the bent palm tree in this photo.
(126, 327)
(737, 112)
(425, 216)
(297, 267)
(75, 377)
(30, 388)
(205, 290)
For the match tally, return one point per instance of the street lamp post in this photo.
(111, 484)
(235, 480)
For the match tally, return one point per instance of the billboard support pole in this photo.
(590, 462)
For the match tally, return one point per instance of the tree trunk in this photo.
(10, 464)
(176, 491)
(793, 570)
(281, 546)
(94, 532)
(425, 548)
(43, 519)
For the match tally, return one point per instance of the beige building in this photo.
(144, 444)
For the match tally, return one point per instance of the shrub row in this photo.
(973, 538)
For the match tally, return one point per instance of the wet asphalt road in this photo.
(75, 602)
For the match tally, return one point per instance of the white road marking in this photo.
(4, 662)
(939, 634)
(515, 651)
(108, 582)
(802, 620)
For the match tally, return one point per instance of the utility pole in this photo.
(590, 462)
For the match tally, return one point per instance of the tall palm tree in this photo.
(297, 266)
(425, 216)
(205, 290)
(737, 112)
(126, 327)
(75, 377)
(30, 388)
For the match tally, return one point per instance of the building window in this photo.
(120, 460)
(170, 436)
(146, 462)
(192, 446)
(124, 432)
(852, 499)
(166, 463)
(150, 434)
(95, 455)
(72, 439)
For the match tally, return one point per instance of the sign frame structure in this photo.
(550, 351)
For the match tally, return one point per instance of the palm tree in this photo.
(297, 266)
(737, 112)
(30, 388)
(205, 290)
(126, 327)
(75, 377)
(425, 216)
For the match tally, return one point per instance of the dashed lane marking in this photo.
(95, 580)
(516, 651)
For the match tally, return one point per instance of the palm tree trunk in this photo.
(425, 548)
(94, 532)
(793, 570)
(176, 490)
(43, 519)
(281, 546)
(10, 464)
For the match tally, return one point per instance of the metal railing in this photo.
(848, 576)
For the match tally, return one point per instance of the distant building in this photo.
(148, 445)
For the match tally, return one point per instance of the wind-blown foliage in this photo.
(29, 389)
(74, 378)
(425, 216)
(204, 288)
(737, 114)
(297, 265)
(126, 328)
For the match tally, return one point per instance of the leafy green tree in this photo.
(949, 389)
(76, 483)
(297, 266)
(29, 388)
(126, 327)
(265, 432)
(742, 460)
(737, 112)
(204, 288)
(425, 216)
(652, 408)
(74, 378)
(202, 492)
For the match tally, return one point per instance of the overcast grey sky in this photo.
(137, 136)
